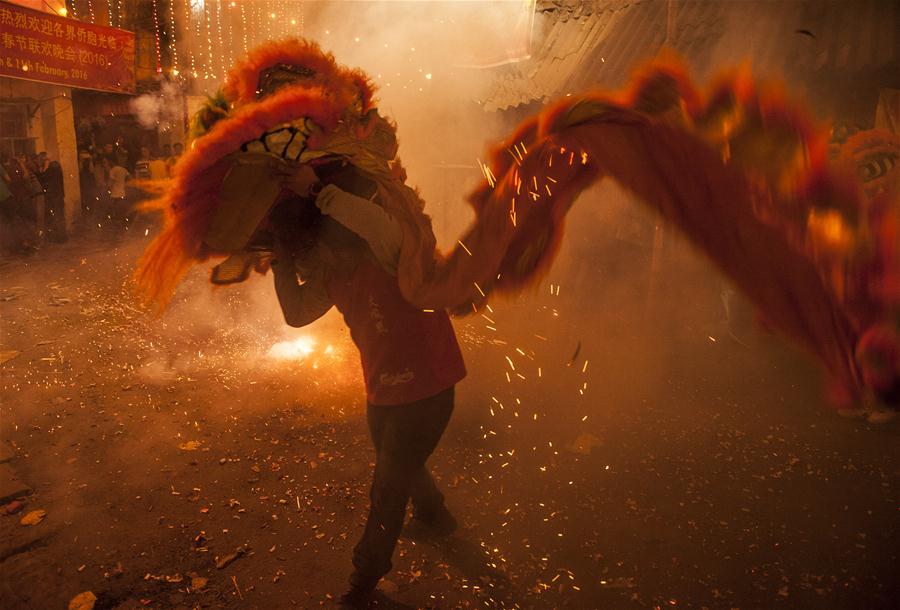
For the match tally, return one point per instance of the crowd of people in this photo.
(105, 175)
(32, 202)
(32, 193)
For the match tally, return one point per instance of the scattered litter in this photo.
(198, 582)
(619, 583)
(585, 444)
(116, 572)
(7, 355)
(200, 542)
(83, 601)
(223, 562)
(34, 517)
(13, 507)
(575, 355)
(170, 578)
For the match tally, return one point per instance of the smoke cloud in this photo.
(160, 109)
(607, 303)
(421, 55)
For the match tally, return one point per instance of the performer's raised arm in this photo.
(368, 220)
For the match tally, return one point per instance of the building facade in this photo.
(45, 56)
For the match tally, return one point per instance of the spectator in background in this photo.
(16, 212)
(87, 177)
(50, 175)
(7, 208)
(34, 209)
(158, 168)
(39, 165)
(142, 165)
(5, 181)
(101, 176)
(173, 158)
(109, 153)
(119, 206)
(101, 209)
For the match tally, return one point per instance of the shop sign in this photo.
(48, 48)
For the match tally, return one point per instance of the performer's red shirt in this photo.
(407, 354)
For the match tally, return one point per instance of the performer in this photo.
(345, 251)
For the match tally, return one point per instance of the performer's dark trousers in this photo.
(404, 437)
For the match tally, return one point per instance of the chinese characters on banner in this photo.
(48, 48)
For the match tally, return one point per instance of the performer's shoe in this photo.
(356, 598)
(360, 593)
(439, 521)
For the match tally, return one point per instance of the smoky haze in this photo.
(627, 433)
(626, 295)
(605, 299)
(417, 55)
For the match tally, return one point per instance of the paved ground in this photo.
(692, 471)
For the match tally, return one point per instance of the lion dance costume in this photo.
(742, 173)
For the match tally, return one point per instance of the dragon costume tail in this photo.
(738, 171)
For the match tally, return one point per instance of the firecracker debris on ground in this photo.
(175, 463)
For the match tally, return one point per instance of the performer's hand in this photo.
(300, 180)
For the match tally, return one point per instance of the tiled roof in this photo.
(583, 43)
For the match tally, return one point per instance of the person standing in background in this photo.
(56, 201)
(34, 203)
(158, 168)
(5, 181)
(119, 207)
(50, 175)
(7, 208)
(40, 166)
(109, 153)
(142, 165)
(101, 177)
(22, 218)
(88, 180)
(173, 158)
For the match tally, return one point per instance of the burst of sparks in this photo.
(298, 349)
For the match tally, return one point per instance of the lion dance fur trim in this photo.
(334, 95)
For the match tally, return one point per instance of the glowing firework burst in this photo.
(310, 350)
(296, 349)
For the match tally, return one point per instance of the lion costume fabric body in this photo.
(738, 170)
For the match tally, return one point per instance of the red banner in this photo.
(52, 49)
